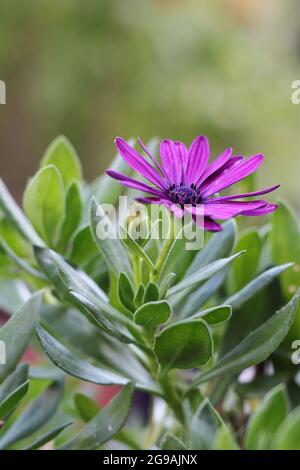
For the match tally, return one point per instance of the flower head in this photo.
(183, 180)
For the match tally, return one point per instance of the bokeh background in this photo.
(170, 68)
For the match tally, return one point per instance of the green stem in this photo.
(171, 396)
(165, 251)
(137, 271)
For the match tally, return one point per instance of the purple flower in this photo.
(185, 181)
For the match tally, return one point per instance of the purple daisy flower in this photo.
(185, 181)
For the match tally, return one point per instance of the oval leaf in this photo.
(44, 203)
(153, 314)
(184, 345)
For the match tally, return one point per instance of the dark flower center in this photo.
(184, 194)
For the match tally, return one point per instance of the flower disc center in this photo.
(184, 195)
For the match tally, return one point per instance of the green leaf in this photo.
(266, 419)
(184, 345)
(84, 248)
(106, 423)
(153, 314)
(49, 436)
(38, 413)
(285, 242)
(255, 286)
(288, 435)
(224, 440)
(151, 293)
(165, 284)
(44, 203)
(13, 381)
(215, 315)
(72, 215)
(111, 249)
(17, 331)
(86, 407)
(203, 426)
(138, 299)
(13, 399)
(126, 292)
(220, 245)
(192, 281)
(257, 346)
(134, 247)
(62, 155)
(13, 293)
(15, 215)
(171, 442)
(73, 365)
(246, 266)
(20, 262)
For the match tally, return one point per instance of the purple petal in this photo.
(183, 154)
(147, 151)
(211, 225)
(138, 163)
(132, 183)
(217, 164)
(175, 208)
(171, 161)
(241, 196)
(233, 175)
(261, 211)
(198, 156)
(226, 210)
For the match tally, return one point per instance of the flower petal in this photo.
(217, 164)
(211, 225)
(241, 196)
(171, 161)
(261, 211)
(233, 175)
(132, 183)
(198, 156)
(226, 210)
(138, 163)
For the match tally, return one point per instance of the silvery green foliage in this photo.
(113, 312)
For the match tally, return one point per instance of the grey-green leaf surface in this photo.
(257, 346)
(72, 364)
(48, 436)
(17, 331)
(202, 275)
(13, 399)
(255, 286)
(38, 413)
(106, 423)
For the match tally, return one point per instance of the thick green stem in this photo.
(165, 251)
(171, 397)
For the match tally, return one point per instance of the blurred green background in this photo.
(99, 68)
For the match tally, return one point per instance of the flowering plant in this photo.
(204, 336)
